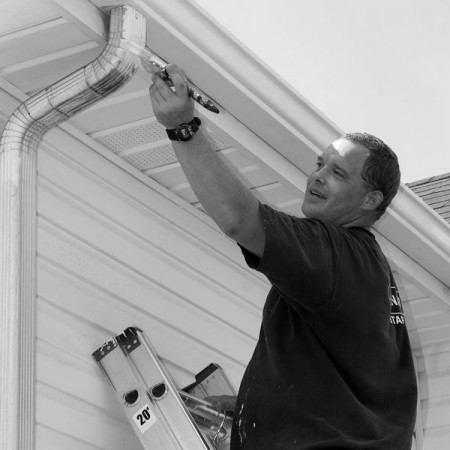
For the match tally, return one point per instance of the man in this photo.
(333, 367)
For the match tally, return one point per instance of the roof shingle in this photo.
(435, 191)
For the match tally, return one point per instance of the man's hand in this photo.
(172, 105)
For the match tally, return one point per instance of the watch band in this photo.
(184, 131)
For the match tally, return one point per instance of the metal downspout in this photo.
(18, 147)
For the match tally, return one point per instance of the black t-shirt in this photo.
(333, 367)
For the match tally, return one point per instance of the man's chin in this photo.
(309, 212)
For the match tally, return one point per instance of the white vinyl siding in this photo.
(434, 383)
(113, 252)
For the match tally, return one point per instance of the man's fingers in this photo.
(178, 78)
(161, 88)
(170, 99)
(155, 96)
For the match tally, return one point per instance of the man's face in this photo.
(335, 190)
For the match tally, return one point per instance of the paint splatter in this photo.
(241, 422)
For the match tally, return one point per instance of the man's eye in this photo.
(339, 174)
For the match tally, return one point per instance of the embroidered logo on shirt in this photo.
(397, 315)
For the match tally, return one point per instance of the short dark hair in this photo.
(381, 170)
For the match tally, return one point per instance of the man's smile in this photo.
(316, 193)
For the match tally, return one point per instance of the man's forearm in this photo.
(219, 189)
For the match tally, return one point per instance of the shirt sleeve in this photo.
(298, 259)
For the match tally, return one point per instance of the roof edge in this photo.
(427, 180)
(419, 231)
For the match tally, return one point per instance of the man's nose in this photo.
(318, 175)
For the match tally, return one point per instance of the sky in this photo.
(375, 66)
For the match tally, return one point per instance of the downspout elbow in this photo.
(79, 90)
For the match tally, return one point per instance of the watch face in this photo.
(185, 132)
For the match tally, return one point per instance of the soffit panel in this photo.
(19, 14)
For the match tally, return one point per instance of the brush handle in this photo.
(194, 92)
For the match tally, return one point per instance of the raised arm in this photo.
(226, 199)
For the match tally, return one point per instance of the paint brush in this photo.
(153, 64)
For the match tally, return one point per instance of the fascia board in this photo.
(180, 31)
(419, 231)
(407, 268)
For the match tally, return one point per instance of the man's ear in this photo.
(372, 200)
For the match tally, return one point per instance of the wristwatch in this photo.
(185, 131)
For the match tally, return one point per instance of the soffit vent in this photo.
(152, 158)
(132, 137)
(146, 146)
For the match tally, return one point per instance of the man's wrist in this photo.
(185, 131)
